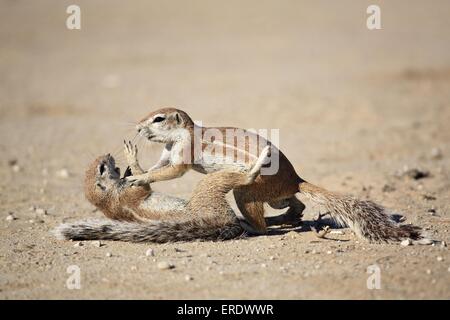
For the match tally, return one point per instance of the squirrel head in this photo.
(165, 125)
(110, 193)
(102, 178)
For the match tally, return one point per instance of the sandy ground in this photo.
(353, 107)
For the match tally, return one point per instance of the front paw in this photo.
(131, 152)
(139, 180)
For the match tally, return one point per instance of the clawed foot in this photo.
(131, 152)
(317, 223)
(138, 180)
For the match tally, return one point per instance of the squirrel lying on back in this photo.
(138, 214)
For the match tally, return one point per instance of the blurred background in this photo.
(310, 68)
(353, 105)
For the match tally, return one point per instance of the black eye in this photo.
(102, 168)
(158, 119)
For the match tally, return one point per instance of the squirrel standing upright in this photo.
(176, 130)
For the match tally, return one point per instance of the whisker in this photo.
(127, 124)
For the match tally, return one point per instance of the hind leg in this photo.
(295, 212)
(211, 191)
(292, 216)
(251, 209)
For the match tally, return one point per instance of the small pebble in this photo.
(164, 265)
(428, 271)
(188, 278)
(406, 242)
(109, 254)
(41, 211)
(329, 252)
(10, 217)
(149, 252)
(78, 244)
(263, 265)
(443, 244)
(133, 268)
(436, 153)
(415, 173)
(271, 258)
(439, 258)
(16, 168)
(63, 173)
(97, 244)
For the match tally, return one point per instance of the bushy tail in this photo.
(207, 228)
(366, 218)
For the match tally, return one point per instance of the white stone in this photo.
(63, 173)
(41, 211)
(97, 244)
(406, 242)
(164, 265)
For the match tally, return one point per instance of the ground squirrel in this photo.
(138, 214)
(177, 131)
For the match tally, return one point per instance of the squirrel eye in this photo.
(102, 168)
(158, 119)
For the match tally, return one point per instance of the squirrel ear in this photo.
(178, 118)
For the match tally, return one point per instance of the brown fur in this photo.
(277, 188)
(250, 198)
(114, 202)
(207, 216)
